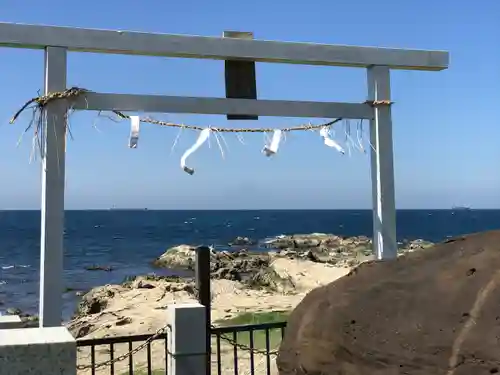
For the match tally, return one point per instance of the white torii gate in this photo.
(57, 41)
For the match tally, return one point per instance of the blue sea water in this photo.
(129, 240)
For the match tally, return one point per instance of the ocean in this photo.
(128, 241)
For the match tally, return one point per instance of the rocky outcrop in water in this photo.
(254, 268)
(251, 268)
(333, 249)
(181, 256)
(96, 267)
(316, 247)
(242, 241)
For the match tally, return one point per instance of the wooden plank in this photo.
(240, 77)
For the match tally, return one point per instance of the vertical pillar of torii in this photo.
(382, 164)
(53, 179)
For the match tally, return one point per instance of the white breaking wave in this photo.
(15, 266)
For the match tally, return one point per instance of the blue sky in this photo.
(445, 129)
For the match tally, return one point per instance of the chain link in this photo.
(246, 348)
(161, 331)
(124, 356)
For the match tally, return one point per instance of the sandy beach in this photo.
(138, 310)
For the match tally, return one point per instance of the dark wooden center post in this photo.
(202, 276)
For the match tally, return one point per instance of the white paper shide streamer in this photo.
(272, 147)
(135, 123)
(324, 133)
(202, 138)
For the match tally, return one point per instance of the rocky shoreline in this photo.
(291, 266)
(250, 277)
(241, 264)
(274, 269)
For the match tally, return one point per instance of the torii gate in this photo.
(57, 41)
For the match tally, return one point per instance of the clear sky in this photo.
(446, 134)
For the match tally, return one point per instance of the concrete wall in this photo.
(10, 321)
(37, 351)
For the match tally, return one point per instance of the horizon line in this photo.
(247, 209)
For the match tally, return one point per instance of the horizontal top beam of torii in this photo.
(218, 48)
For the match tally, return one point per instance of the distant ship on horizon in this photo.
(114, 208)
(461, 208)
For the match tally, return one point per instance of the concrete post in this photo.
(37, 351)
(382, 165)
(187, 344)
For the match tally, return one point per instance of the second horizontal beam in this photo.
(221, 106)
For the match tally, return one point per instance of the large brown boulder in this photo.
(430, 312)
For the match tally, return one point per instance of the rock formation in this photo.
(251, 268)
(316, 247)
(430, 312)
